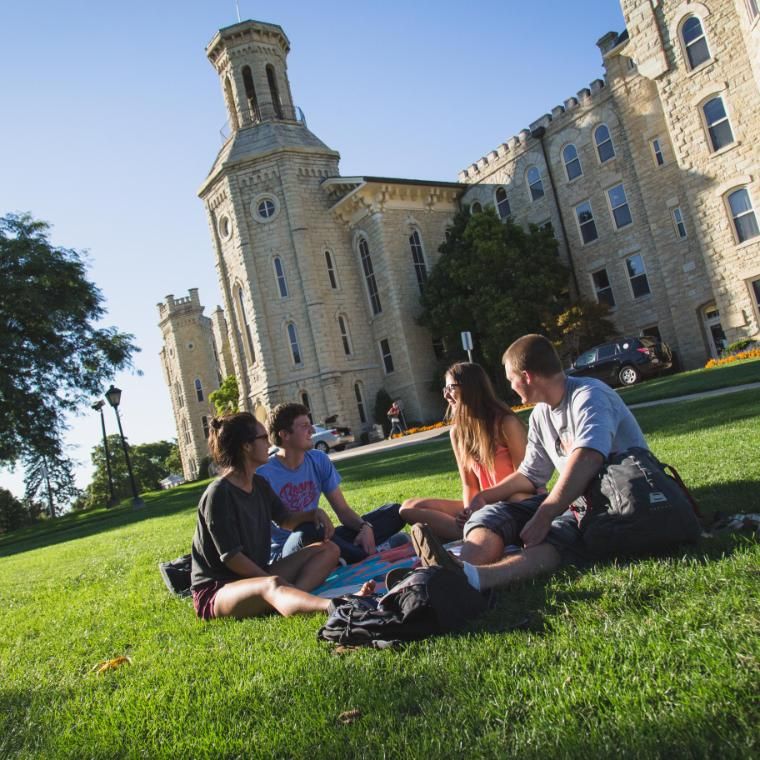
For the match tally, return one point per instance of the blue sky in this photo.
(111, 119)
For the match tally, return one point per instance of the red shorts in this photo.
(203, 599)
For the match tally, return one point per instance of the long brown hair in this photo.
(478, 417)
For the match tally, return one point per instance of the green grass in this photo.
(695, 381)
(646, 659)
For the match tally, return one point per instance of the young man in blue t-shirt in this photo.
(299, 475)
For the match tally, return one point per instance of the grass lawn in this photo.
(695, 381)
(648, 659)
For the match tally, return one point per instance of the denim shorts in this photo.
(507, 518)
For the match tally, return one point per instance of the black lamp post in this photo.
(113, 396)
(98, 407)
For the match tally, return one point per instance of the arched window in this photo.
(178, 393)
(360, 405)
(604, 147)
(742, 215)
(204, 424)
(279, 273)
(572, 162)
(502, 203)
(369, 276)
(246, 326)
(535, 185)
(198, 389)
(418, 260)
(304, 396)
(230, 99)
(186, 430)
(250, 93)
(694, 42)
(332, 275)
(476, 208)
(717, 123)
(345, 336)
(295, 349)
(274, 91)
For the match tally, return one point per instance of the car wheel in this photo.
(322, 446)
(628, 375)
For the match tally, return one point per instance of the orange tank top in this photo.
(502, 463)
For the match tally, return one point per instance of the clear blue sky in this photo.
(111, 118)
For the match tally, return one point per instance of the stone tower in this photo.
(308, 316)
(189, 361)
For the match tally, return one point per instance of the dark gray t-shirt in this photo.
(591, 415)
(232, 521)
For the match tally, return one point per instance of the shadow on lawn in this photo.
(83, 524)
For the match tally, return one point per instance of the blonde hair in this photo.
(478, 417)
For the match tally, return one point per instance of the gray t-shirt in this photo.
(232, 521)
(590, 416)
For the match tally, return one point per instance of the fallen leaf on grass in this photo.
(106, 665)
(342, 649)
(349, 716)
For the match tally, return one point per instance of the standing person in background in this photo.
(394, 415)
(488, 441)
(300, 475)
(231, 572)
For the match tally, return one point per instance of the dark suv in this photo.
(624, 361)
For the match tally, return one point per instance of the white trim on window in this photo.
(386, 357)
(572, 162)
(741, 212)
(368, 271)
(584, 219)
(535, 183)
(678, 223)
(619, 207)
(605, 147)
(279, 276)
(295, 347)
(600, 282)
(717, 126)
(638, 280)
(345, 335)
(501, 203)
(332, 272)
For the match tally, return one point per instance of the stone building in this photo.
(191, 370)
(649, 178)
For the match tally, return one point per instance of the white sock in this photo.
(471, 572)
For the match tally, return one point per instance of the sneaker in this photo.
(430, 550)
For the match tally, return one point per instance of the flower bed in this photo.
(751, 354)
(444, 423)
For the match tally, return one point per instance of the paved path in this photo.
(695, 396)
(442, 433)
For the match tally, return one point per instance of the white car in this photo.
(326, 439)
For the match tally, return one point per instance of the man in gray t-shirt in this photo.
(576, 424)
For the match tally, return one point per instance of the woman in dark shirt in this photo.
(232, 576)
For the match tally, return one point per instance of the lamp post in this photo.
(98, 407)
(113, 396)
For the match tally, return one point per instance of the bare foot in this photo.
(367, 589)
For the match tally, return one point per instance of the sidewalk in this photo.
(442, 433)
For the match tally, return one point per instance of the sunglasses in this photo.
(262, 437)
(449, 388)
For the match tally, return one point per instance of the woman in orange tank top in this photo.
(488, 441)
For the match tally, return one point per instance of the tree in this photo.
(495, 280)
(12, 512)
(49, 479)
(580, 327)
(53, 356)
(226, 397)
(148, 466)
(173, 462)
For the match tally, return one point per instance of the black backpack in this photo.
(428, 602)
(176, 575)
(635, 506)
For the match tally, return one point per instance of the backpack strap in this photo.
(670, 470)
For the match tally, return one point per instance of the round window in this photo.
(266, 208)
(225, 228)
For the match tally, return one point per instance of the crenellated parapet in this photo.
(559, 116)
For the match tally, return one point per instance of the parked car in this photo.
(624, 361)
(335, 438)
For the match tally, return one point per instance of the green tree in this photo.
(495, 280)
(49, 479)
(580, 327)
(12, 512)
(54, 359)
(173, 462)
(148, 466)
(226, 397)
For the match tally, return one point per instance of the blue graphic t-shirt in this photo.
(299, 489)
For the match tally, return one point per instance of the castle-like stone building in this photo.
(649, 179)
